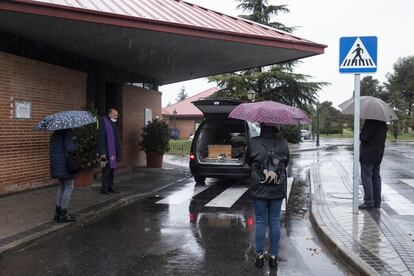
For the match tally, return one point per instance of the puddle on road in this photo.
(299, 228)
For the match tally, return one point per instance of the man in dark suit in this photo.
(372, 138)
(109, 147)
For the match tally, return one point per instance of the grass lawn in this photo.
(402, 137)
(347, 133)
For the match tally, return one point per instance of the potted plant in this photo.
(155, 142)
(86, 139)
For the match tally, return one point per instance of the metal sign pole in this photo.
(356, 143)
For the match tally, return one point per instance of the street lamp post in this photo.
(251, 95)
(317, 124)
(175, 124)
(175, 114)
(299, 130)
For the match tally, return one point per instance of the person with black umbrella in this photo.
(372, 138)
(376, 113)
(64, 162)
(62, 144)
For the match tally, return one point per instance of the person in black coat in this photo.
(372, 138)
(267, 196)
(61, 143)
(109, 147)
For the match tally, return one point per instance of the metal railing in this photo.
(180, 147)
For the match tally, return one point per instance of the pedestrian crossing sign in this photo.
(358, 54)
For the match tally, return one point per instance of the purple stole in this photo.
(110, 138)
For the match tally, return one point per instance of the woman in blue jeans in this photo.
(61, 143)
(268, 155)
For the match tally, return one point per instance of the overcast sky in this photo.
(324, 22)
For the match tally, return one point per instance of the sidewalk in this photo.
(27, 216)
(370, 241)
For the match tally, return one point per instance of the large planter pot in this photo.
(85, 177)
(154, 159)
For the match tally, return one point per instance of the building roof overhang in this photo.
(158, 49)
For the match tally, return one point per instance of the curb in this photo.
(82, 218)
(343, 254)
(309, 149)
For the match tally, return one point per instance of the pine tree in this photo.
(401, 90)
(181, 95)
(278, 82)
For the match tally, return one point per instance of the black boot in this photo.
(366, 206)
(57, 212)
(273, 262)
(65, 217)
(259, 262)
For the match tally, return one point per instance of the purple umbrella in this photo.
(301, 116)
(269, 112)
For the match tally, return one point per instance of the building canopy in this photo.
(164, 41)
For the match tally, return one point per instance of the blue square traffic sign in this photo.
(358, 54)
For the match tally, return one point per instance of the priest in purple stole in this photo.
(109, 147)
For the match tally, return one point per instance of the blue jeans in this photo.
(267, 211)
(371, 181)
(64, 192)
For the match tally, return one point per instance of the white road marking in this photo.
(183, 195)
(227, 198)
(396, 201)
(409, 182)
(289, 187)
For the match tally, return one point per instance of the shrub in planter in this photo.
(86, 139)
(155, 142)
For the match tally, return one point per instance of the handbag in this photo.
(73, 162)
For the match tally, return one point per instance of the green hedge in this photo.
(180, 147)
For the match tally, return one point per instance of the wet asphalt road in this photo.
(184, 237)
(181, 239)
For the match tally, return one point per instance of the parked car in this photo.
(305, 134)
(219, 145)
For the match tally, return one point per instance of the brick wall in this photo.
(24, 153)
(134, 101)
(186, 127)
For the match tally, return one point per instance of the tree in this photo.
(277, 82)
(372, 87)
(401, 89)
(395, 129)
(181, 95)
(329, 118)
(261, 12)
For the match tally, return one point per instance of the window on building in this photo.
(148, 115)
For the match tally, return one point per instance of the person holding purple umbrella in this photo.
(268, 156)
(109, 147)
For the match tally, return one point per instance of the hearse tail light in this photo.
(192, 156)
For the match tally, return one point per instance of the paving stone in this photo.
(380, 242)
